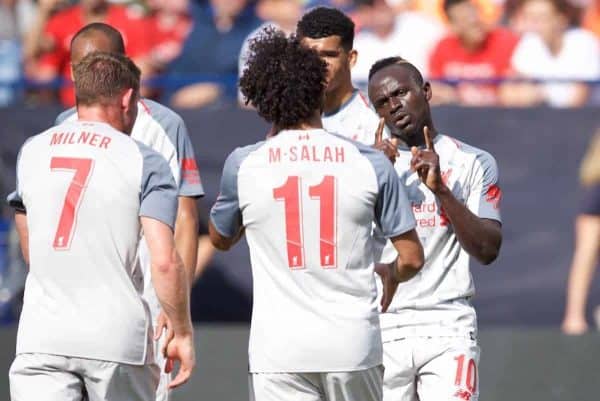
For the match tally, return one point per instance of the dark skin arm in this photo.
(220, 241)
(23, 232)
(481, 238)
(186, 234)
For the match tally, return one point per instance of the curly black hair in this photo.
(322, 22)
(385, 62)
(283, 80)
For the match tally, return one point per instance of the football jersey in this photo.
(355, 119)
(164, 131)
(84, 186)
(307, 200)
(436, 301)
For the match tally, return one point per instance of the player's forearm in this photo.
(186, 236)
(23, 233)
(481, 238)
(220, 241)
(172, 289)
(583, 265)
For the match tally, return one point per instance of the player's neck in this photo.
(101, 114)
(336, 99)
(313, 122)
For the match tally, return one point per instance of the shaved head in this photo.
(96, 37)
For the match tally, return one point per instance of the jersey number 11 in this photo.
(325, 192)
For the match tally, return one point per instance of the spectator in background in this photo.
(587, 243)
(209, 59)
(410, 34)
(591, 17)
(169, 28)
(552, 50)
(472, 51)
(47, 44)
(490, 10)
(15, 19)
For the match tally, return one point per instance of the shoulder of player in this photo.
(239, 154)
(159, 112)
(465, 150)
(67, 115)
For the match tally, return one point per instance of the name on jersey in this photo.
(308, 153)
(85, 138)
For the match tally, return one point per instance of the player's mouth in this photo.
(401, 120)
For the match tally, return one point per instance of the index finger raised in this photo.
(428, 141)
(379, 132)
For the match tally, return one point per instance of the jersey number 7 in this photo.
(68, 216)
(325, 192)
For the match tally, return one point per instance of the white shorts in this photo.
(431, 369)
(361, 385)
(162, 391)
(44, 377)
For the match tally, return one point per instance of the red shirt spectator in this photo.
(64, 25)
(451, 60)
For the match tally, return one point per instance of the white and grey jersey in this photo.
(307, 200)
(84, 187)
(436, 302)
(355, 120)
(163, 130)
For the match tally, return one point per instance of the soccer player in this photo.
(84, 190)
(430, 330)
(306, 200)
(164, 131)
(346, 111)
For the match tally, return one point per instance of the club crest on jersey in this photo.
(494, 195)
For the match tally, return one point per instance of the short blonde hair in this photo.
(589, 172)
(100, 77)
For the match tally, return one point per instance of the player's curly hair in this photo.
(397, 60)
(283, 80)
(322, 22)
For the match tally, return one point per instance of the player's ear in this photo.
(71, 70)
(128, 98)
(427, 90)
(352, 57)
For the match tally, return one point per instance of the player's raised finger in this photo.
(428, 141)
(379, 132)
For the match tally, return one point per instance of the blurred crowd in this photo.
(476, 52)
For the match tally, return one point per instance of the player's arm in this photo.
(186, 234)
(190, 189)
(23, 233)
(158, 210)
(395, 220)
(225, 226)
(480, 237)
(169, 276)
(220, 241)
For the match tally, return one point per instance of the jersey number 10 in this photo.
(325, 192)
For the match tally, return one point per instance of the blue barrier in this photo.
(538, 151)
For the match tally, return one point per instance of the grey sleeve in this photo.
(158, 194)
(190, 183)
(226, 215)
(62, 117)
(393, 211)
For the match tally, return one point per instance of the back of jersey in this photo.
(307, 200)
(82, 185)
